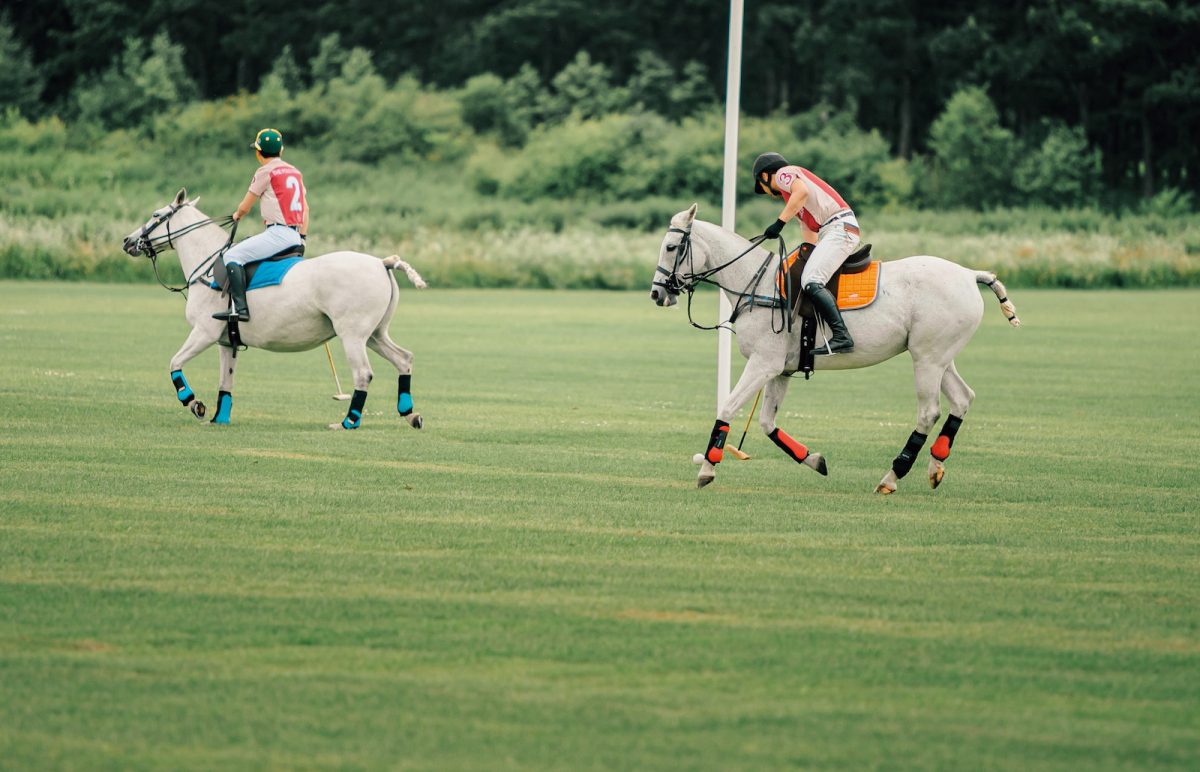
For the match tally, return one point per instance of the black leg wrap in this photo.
(904, 461)
(354, 415)
(950, 428)
(716, 442)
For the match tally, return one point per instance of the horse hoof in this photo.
(937, 470)
(887, 485)
(415, 420)
(704, 479)
(337, 427)
(885, 490)
(817, 462)
(198, 409)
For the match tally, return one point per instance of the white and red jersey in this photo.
(823, 203)
(282, 197)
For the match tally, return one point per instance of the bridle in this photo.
(677, 282)
(151, 247)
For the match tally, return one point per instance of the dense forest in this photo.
(1117, 81)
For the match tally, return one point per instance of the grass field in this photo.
(534, 582)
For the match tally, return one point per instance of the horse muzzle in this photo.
(662, 297)
(134, 247)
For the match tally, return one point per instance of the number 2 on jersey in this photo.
(293, 184)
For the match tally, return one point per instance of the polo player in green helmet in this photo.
(283, 204)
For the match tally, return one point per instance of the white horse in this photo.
(347, 294)
(925, 304)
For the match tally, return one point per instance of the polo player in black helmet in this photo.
(828, 222)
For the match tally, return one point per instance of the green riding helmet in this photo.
(767, 162)
(269, 142)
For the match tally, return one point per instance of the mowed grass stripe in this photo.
(533, 581)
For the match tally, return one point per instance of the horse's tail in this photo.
(394, 262)
(1006, 306)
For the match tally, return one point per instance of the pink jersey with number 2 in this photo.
(823, 201)
(280, 187)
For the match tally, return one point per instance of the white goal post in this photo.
(733, 78)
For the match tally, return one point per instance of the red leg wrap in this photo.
(716, 443)
(941, 448)
(788, 445)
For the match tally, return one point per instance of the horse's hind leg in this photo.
(928, 378)
(773, 395)
(960, 396)
(360, 368)
(401, 358)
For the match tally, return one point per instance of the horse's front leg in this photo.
(225, 386)
(197, 341)
(772, 397)
(759, 370)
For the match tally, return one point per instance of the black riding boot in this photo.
(826, 305)
(237, 294)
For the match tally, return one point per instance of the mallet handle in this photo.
(333, 369)
(749, 418)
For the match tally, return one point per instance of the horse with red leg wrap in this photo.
(926, 305)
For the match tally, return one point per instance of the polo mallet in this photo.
(341, 396)
(737, 452)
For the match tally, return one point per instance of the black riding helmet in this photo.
(767, 162)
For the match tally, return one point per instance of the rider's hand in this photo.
(236, 216)
(773, 230)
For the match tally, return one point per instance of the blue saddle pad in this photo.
(269, 274)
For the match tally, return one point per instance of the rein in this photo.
(150, 248)
(677, 283)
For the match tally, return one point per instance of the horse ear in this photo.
(193, 201)
(684, 218)
(180, 197)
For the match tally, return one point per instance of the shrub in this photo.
(20, 82)
(577, 158)
(973, 154)
(140, 85)
(582, 88)
(19, 134)
(1062, 171)
(491, 105)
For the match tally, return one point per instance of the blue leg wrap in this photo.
(182, 390)
(224, 407)
(404, 402)
(354, 416)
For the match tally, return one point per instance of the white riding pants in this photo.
(272, 241)
(834, 245)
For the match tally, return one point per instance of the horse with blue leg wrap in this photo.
(345, 294)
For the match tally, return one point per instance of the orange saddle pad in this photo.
(858, 290)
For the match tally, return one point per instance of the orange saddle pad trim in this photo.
(858, 290)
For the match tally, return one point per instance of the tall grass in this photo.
(64, 212)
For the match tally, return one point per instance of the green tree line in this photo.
(1060, 100)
